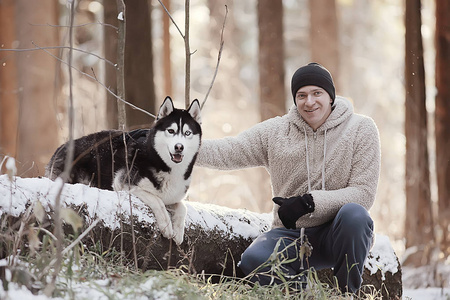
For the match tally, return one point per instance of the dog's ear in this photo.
(194, 110)
(166, 108)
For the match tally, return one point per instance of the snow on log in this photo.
(215, 236)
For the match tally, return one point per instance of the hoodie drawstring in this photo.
(307, 160)
(324, 156)
(323, 162)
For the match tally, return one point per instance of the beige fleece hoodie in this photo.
(294, 154)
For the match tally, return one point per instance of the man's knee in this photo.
(354, 216)
(251, 259)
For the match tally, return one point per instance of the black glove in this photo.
(291, 209)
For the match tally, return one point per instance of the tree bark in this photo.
(419, 221)
(139, 84)
(9, 113)
(442, 119)
(271, 58)
(167, 63)
(32, 88)
(110, 45)
(324, 36)
(215, 236)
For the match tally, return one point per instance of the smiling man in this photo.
(314, 93)
(324, 164)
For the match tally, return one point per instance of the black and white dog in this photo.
(153, 164)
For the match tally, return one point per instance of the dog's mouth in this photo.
(176, 157)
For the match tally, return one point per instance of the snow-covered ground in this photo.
(421, 283)
(87, 290)
(427, 294)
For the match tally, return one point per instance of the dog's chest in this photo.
(171, 188)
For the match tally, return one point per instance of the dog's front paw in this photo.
(166, 229)
(178, 236)
(178, 216)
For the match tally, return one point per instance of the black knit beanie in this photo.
(313, 74)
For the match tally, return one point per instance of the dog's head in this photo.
(178, 132)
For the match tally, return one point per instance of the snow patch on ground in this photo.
(427, 294)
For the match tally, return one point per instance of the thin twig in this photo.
(187, 86)
(170, 16)
(74, 26)
(129, 198)
(62, 47)
(48, 233)
(68, 163)
(218, 58)
(121, 65)
(93, 78)
(170, 254)
(73, 244)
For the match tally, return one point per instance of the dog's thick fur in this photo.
(153, 164)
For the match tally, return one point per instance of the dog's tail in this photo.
(56, 164)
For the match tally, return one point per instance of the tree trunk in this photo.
(271, 58)
(110, 46)
(323, 35)
(215, 236)
(167, 63)
(419, 221)
(139, 85)
(9, 113)
(31, 89)
(442, 119)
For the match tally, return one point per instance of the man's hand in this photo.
(291, 209)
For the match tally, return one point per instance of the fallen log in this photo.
(215, 236)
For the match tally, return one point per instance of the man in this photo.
(324, 164)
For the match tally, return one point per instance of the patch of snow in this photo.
(435, 275)
(105, 205)
(11, 166)
(101, 204)
(20, 292)
(120, 16)
(428, 294)
(232, 221)
(383, 257)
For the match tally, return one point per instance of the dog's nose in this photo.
(179, 147)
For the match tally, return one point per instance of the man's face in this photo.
(313, 104)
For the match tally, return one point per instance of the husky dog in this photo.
(153, 164)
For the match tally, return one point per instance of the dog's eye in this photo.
(171, 131)
(187, 133)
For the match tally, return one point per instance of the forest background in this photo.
(361, 42)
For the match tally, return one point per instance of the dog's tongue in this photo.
(177, 158)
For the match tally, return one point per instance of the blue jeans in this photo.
(342, 244)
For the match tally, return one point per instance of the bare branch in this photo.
(170, 16)
(68, 248)
(78, 240)
(68, 163)
(218, 58)
(187, 86)
(188, 53)
(121, 65)
(62, 47)
(74, 26)
(93, 78)
(129, 197)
